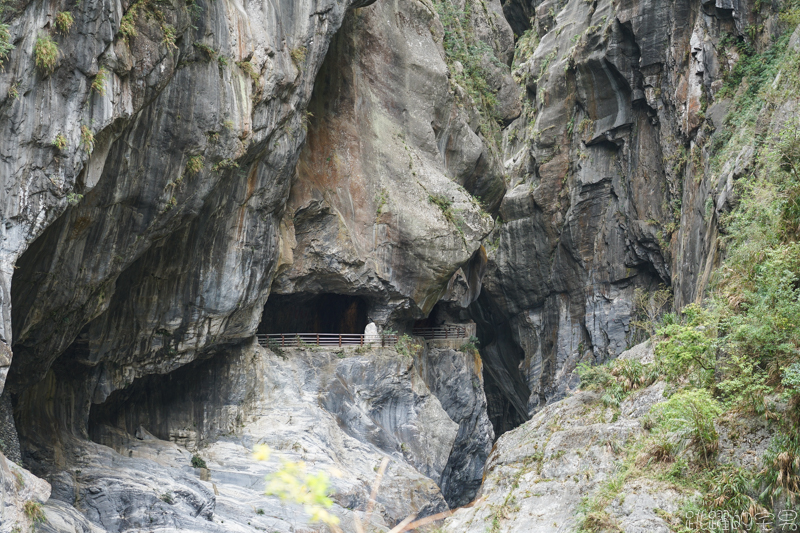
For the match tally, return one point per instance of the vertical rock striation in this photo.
(607, 181)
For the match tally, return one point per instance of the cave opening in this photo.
(182, 406)
(314, 313)
(438, 316)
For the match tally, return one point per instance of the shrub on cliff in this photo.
(46, 54)
(5, 43)
(687, 419)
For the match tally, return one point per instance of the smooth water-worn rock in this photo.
(456, 379)
(340, 411)
(21, 496)
(535, 166)
(385, 198)
(154, 231)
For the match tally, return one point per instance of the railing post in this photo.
(362, 340)
(340, 340)
(317, 339)
(283, 341)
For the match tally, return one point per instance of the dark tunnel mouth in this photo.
(435, 318)
(314, 313)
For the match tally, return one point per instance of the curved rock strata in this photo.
(335, 410)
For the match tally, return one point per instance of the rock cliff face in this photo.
(332, 409)
(539, 473)
(609, 176)
(384, 203)
(153, 230)
(532, 166)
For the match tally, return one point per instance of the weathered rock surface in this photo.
(18, 487)
(539, 473)
(183, 160)
(384, 203)
(456, 379)
(192, 156)
(609, 176)
(333, 410)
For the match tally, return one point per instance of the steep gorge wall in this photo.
(356, 154)
(160, 246)
(609, 177)
(385, 200)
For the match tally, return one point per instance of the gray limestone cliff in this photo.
(184, 175)
(609, 181)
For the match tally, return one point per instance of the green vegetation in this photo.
(87, 139)
(276, 348)
(207, 50)
(19, 479)
(380, 202)
(33, 510)
(248, 68)
(445, 204)
(46, 54)
(60, 141)
(99, 82)
(64, 22)
(595, 518)
(74, 198)
(293, 483)
(299, 55)
(224, 164)
(198, 462)
(5, 43)
(170, 35)
(526, 46)
(194, 165)
(127, 26)
(167, 498)
(467, 59)
(617, 379)
(649, 306)
(171, 203)
(687, 419)
(406, 346)
(471, 346)
(734, 358)
(194, 10)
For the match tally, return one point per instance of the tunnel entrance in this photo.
(310, 313)
(435, 318)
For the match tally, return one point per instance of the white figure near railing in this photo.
(371, 335)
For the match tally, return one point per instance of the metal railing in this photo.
(442, 332)
(294, 340)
